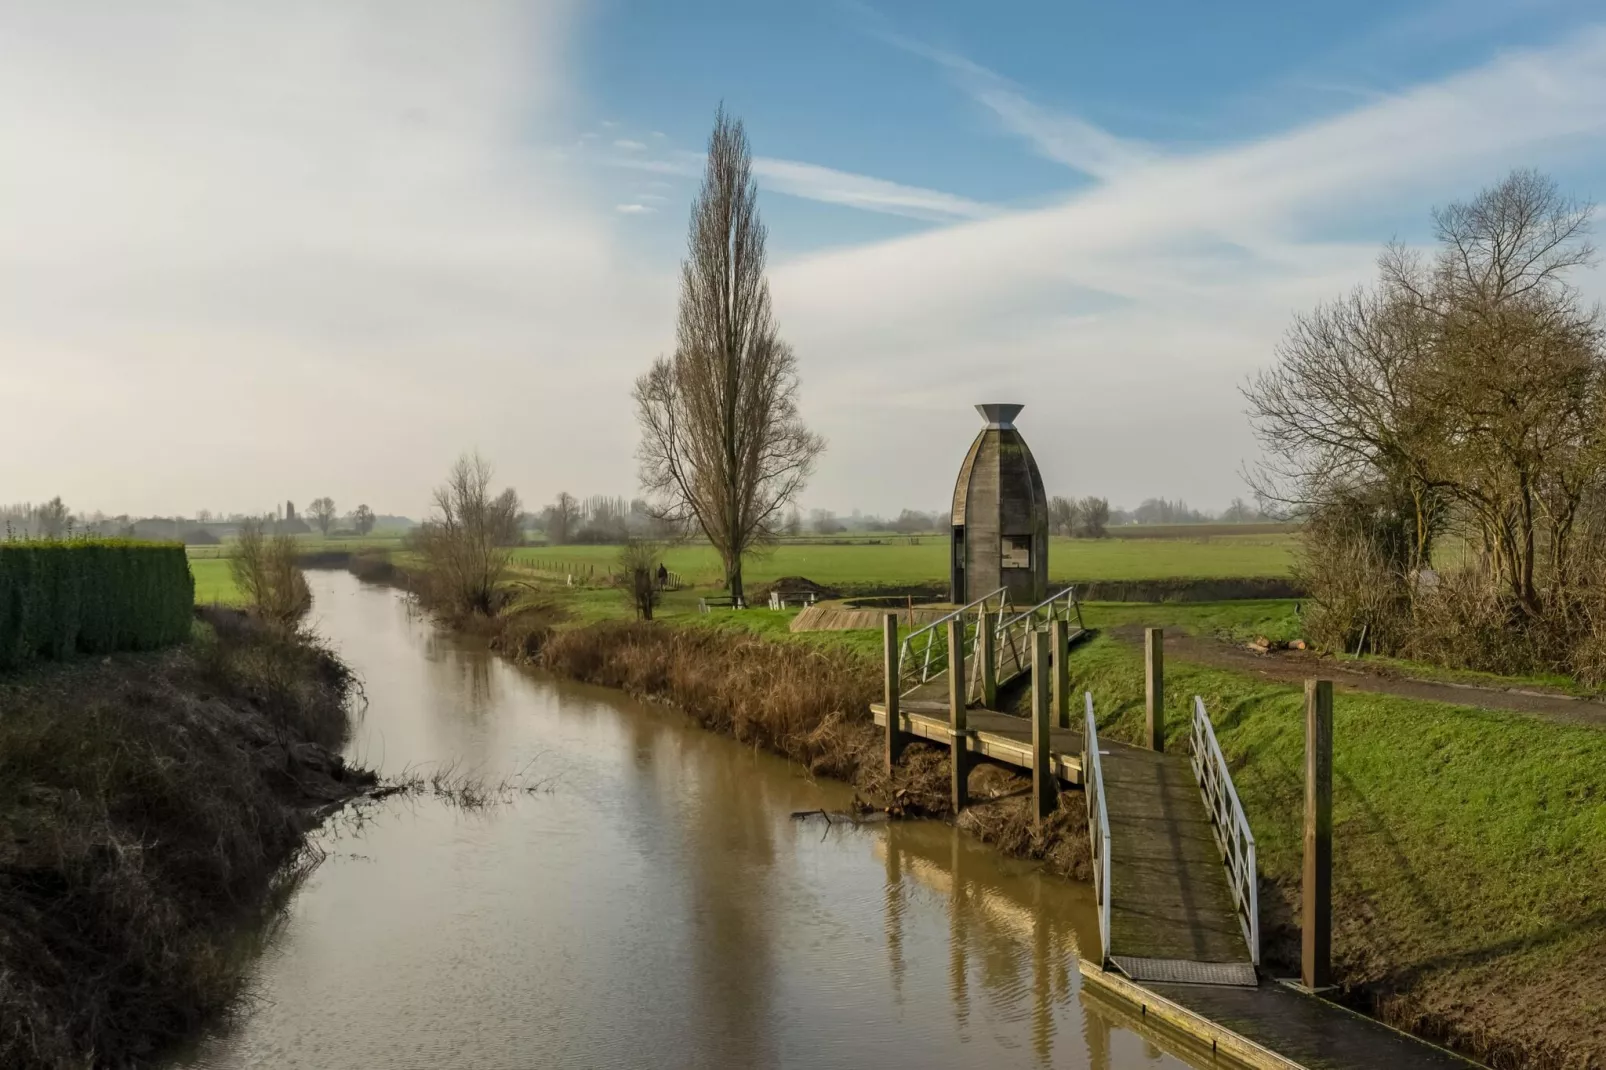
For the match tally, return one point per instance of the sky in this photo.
(254, 252)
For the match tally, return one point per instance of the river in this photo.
(654, 904)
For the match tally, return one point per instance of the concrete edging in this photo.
(1195, 1026)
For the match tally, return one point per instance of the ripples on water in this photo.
(658, 907)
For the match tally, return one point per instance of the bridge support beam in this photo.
(896, 737)
(1316, 915)
(987, 651)
(1061, 633)
(1154, 687)
(1045, 791)
(958, 731)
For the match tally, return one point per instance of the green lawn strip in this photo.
(1456, 830)
(900, 564)
(1238, 620)
(214, 582)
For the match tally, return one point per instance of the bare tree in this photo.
(461, 542)
(722, 441)
(322, 511)
(54, 518)
(1062, 515)
(362, 520)
(639, 561)
(562, 518)
(265, 571)
(1092, 517)
(506, 513)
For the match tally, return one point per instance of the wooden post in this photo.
(1043, 787)
(1062, 673)
(987, 650)
(958, 739)
(1316, 922)
(1154, 686)
(895, 735)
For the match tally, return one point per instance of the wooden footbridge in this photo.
(1174, 866)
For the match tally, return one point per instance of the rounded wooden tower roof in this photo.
(999, 486)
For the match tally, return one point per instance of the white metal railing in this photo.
(1098, 825)
(1231, 828)
(923, 654)
(1014, 633)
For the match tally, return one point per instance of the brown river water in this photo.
(658, 906)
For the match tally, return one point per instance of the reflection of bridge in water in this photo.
(1013, 938)
(1174, 860)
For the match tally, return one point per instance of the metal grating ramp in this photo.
(1185, 972)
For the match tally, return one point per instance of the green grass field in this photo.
(213, 583)
(900, 564)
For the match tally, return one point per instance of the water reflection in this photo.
(661, 907)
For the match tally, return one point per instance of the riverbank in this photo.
(152, 808)
(1467, 842)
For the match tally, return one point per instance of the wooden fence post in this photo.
(1043, 786)
(895, 737)
(987, 650)
(1154, 686)
(1060, 631)
(958, 737)
(1316, 921)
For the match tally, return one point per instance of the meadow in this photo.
(900, 561)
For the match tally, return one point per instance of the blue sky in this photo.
(339, 244)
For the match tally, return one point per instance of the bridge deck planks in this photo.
(1169, 896)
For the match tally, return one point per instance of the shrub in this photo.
(265, 569)
(59, 598)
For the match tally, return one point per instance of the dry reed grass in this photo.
(812, 706)
(150, 805)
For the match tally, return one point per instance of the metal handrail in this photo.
(1098, 825)
(1016, 630)
(932, 658)
(1068, 596)
(1231, 828)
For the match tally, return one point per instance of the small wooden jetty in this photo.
(1174, 862)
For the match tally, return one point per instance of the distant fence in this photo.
(58, 599)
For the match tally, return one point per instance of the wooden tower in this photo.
(1000, 521)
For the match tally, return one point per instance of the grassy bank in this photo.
(1468, 850)
(150, 806)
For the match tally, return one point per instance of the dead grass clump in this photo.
(813, 707)
(148, 806)
(789, 698)
(523, 629)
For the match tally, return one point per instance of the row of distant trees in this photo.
(54, 519)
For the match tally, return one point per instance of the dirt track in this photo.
(1295, 666)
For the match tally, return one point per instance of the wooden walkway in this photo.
(1269, 1027)
(1171, 913)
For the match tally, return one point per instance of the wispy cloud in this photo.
(632, 209)
(828, 185)
(629, 145)
(1169, 280)
(831, 186)
(1061, 136)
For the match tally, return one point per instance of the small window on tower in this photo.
(1017, 551)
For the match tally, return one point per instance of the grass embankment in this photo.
(150, 805)
(1468, 852)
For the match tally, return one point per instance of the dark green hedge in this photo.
(62, 598)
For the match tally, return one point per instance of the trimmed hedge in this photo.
(91, 596)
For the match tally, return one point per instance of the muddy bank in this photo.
(153, 807)
(809, 705)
